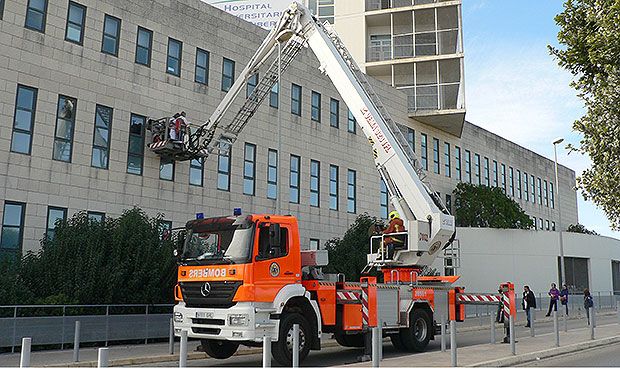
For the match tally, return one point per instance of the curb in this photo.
(543, 354)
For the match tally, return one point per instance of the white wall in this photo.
(525, 257)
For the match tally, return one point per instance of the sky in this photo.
(515, 89)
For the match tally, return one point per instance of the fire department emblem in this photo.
(274, 269)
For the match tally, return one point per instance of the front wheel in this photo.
(282, 350)
(418, 334)
(219, 349)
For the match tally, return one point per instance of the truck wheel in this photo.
(397, 342)
(219, 349)
(282, 350)
(416, 337)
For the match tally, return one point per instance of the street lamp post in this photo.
(558, 201)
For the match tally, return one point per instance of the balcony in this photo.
(372, 5)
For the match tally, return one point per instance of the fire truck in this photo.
(242, 278)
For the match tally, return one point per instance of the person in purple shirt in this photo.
(554, 293)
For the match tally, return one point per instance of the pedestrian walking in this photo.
(564, 297)
(588, 302)
(554, 295)
(529, 302)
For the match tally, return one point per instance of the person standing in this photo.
(396, 225)
(588, 303)
(564, 297)
(529, 302)
(554, 295)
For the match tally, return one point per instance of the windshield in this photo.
(221, 244)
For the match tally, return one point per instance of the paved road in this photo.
(340, 356)
(608, 356)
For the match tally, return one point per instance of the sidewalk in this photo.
(498, 355)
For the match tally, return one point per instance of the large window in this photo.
(424, 147)
(333, 187)
(223, 167)
(334, 113)
(274, 99)
(111, 35)
(135, 152)
(383, 200)
(477, 169)
(551, 197)
(351, 191)
(545, 193)
(457, 162)
(12, 228)
(526, 184)
(54, 216)
(23, 120)
(495, 174)
(295, 99)
(467, 166)
(504, 178)
(144, 46)
(228, 74)
(446, 158)
(533, 188)
(436, 155)
(173, 61)
(101, 137)
(76, 16)
(511, 181)
(166, 169)
(487, 180)
(519, 193)
(36, 14)
(294, 179)
(539, 187)
(196, 172)
(315, 183)
(351, 122)
(201, 74)
(315, 111)
(272, 174)
(576, 271)
(249, 169)
(65, 126)
(251, 85)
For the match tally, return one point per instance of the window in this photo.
(1, 9)
(111, 35)
(449, 203)
(487, 181)
(334, 113)
(228, 74)
(101, 137)
(477, 168)
(135, 152)
(468, 166)
(547, 225)
(54, 216)
(546, 193)
(351, 122)
(294, 179)
(65, 124)
(540, 202)
(552, 225)
(384, 200)
(173, 61)
(36, 13)
(457, 162)
(504, 178)
(351, 191)
(333, 187)
(424, 147)
(272, 174)
(196, 172)
(75, 23)
(264, 249)
(551, 197)
(96, 216)
(411, 138)
(540, 224)
(249, 169)
(295, 99)
(436, 155)
(526, 184)
(315, 111)
(577, 273)
(446, 154)
(314, 244)
(495, 174)
(274, 98)
(12, 228)
(201, 73)
(315, 183)
(166, 169)
(519, 194)
(223, 167)
(252, 83)
(23, 119)
(533, 187)
(512, 181)
(144, 45)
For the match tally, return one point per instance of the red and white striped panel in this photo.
(347, 296)
(478, 298)
(158, 144)
(506, 303)
(365, 313)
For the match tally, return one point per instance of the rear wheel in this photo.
(418, 334)
(219, 349)
(282, 350)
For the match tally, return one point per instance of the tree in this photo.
(590, 50)
(579, 228)
(482, 206)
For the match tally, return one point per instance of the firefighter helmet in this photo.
(394, 215)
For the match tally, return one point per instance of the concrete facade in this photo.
(47, 62)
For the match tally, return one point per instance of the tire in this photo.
(415, 338)
(219, 349)
(282, 350)
(397, 342)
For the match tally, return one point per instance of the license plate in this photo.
(204, 314)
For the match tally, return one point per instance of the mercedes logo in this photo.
(205, 289)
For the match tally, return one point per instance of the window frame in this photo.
(334, 114)
(333, 194)
(424, 153)
(315, 177)
(351, 122)
(204, 68)
(485, 171)
(149, 49)
(252, 161)
(64, 211)
(141, 137)
(504, 183)
(272, 182)
(477, 169)
(91, 214)
(495, 174)
(296, 103)
(384, 201)
(82, 25)
(224, 172)
(166, 161)
(519, 192)
(511, 183)
(109, 129)
(226, 77)
(274, 93)
(351, 198)
(294, 185)
(436, 161)
(251, 84)
(117, 38)
(468, 166)
(315, 109)
(32, 118)
(43, 20)
(457, 166)
(193, 167)
(21, 227)
(178, 58)
(447, 157)
(526, 194)
(56, 138)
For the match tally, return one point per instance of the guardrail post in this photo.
(532, 319)
(556, 328)
(107, 324)
(102, 358)
(592, 321)
(376, 357)
(24, 359)
(511, 323)
(266, 352)
(171, 338)
(14, 329)
(295, 345)
(492, 329)
(146, 317)
(453, 343)
(565, 321)
(76, 342)
(443, 332)
(183, 350)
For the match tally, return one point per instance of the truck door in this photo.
(274, 266)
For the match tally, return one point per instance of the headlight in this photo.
(178, 317)
(238, 319)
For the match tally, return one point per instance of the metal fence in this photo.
(54, 324)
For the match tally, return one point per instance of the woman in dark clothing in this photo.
(588, 303)
(564, 297)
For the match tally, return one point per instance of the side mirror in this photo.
(274, 237)
(179, 244)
